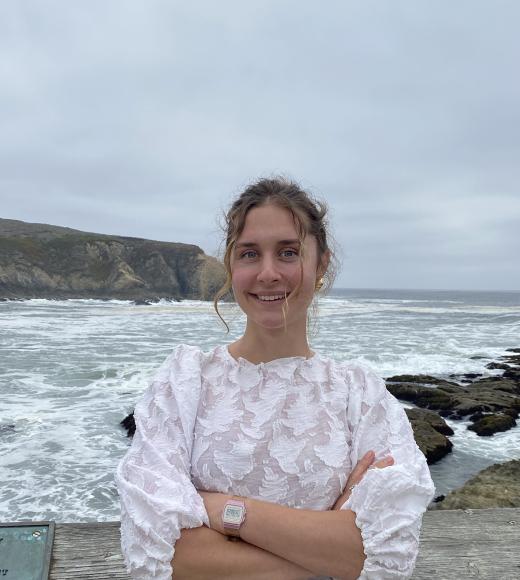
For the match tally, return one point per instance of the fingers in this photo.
(383, 462)
(367, 462)
(361, 467)
(367, 458)
(356, 475)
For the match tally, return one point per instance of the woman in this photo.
(309, 463)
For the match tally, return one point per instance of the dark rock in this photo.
(513, 350)
(466, 406)
(428, 429)
(419, 379)
(438, 498)
(433, 444)
(476, 416)
(466, 377)
(495, 365)
(491, 424)
(513, 375)
(431, 417)
(495, 385)
(482, 398)
(513, 359)
(129, 424)
(494, 487)
(427, 397)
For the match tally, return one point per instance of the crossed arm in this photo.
(204, 554)
(278, 542)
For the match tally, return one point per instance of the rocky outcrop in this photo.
(430, 432)
(128, 423)
(486, 425)
(495, 486)
(43, 261)
(492, 404)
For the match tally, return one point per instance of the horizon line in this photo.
(426, 289)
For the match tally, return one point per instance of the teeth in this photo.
(268, 298)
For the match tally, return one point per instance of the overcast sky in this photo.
(146, 119)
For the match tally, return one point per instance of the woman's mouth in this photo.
(269, 299)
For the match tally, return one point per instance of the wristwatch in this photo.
(233, 515)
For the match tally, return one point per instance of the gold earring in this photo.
(319, 284)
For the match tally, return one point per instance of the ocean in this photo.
(70, 371)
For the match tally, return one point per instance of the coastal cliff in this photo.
(45, 261)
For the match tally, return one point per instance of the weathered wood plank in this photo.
(90, 551)
(470, 544)
(455, 544)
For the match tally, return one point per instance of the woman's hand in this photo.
(214, 503)
(356, 475)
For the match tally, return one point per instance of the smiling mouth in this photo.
(270, 299)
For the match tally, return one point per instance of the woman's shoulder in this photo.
(185, 356)
(183, 352)
(180, 371)
(353, 367)
(361, 377)
(181, 358)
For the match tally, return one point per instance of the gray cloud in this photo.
(146, 118)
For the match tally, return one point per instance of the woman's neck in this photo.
(266, 346)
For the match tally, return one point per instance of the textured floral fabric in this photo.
(288, 431)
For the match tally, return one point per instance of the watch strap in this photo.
(233, 528)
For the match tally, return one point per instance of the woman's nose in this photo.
(268, 270)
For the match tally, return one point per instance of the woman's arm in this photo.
(388, 503)
(303, 537)
(157, 496)
(325, 542)
(204, 554)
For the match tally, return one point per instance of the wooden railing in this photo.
(455, 544)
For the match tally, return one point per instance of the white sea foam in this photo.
(72, 370)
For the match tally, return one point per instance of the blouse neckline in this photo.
(243, 361)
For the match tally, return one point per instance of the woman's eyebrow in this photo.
(280, 242)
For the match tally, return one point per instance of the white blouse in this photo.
(287, 431)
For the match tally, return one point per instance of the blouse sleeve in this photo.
(157, 496)
(388, 502)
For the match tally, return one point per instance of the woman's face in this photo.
(266, 264)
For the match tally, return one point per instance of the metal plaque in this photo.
(25, 550)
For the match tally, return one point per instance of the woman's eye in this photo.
(284, 253)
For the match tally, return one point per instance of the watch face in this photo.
(233, 514)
